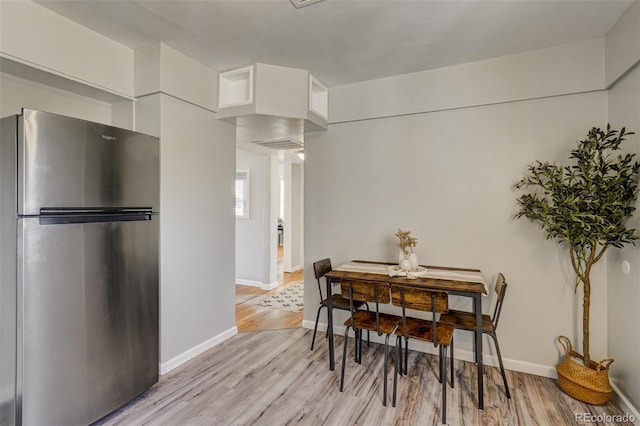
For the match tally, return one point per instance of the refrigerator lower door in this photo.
(88, 305)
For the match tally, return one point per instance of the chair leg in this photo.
(358, 344)
(504, 376)
(398, 365)
(399, 360)
(440, 375)
(451, 357)
(355, 343)
(386, 370)
(443, 372)
(406, 355)
(315, 329)
(368, 334)
(344, 357)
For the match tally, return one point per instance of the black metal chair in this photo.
(378, 293)
(440, 334)
(320, 268)
(467, 321)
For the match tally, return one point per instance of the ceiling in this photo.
(343, 41)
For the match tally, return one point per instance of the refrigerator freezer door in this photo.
(66, 162)
(89, 307)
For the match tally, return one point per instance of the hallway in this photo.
(252, 317)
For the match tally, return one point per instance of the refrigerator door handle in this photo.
(69, 216)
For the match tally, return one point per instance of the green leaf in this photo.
(587, 203)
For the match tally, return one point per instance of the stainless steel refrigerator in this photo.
(78, 268)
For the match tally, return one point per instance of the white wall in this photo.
(253, 239)
(32, 34)
(197, 298)
(622, 44)
(294, 217)
(274, 209)
(623, 51)
(16, 93)
(447, 176)
(560, 70)
(624, 289)
(160, 68)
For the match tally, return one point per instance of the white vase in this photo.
(405, 265)
(401, 256)
(413, 261)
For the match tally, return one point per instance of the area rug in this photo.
(289, 299)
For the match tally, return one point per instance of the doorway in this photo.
(269, 244)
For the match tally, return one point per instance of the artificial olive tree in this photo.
(585, 205)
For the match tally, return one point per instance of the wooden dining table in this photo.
(456, 281)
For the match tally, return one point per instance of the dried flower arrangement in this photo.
(406, 242)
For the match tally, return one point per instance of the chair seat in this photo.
(467, 320)
(366, 320)
(340, 302)
(421, 329)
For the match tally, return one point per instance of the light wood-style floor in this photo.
(250, 317)
(272, 378)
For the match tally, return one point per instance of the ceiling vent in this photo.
(280, 144)
(302, 3)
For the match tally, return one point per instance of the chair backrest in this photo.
(420, 299)
(434, 301)
(501, 290)
(366, 291)
(320, 268)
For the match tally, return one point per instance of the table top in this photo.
(442, 278)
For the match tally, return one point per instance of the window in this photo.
(243, 184)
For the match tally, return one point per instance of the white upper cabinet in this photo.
(318, 98)
(235, 87)
(263, 89)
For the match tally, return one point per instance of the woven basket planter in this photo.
(587, 384)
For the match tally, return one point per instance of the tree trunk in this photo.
(586, 303)
(585, 278)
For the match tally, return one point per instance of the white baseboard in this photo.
(635, 411)
(310, 324)
(294, 269)
(271, 286)
(263, 286)
(197, 350)
(464, 355)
